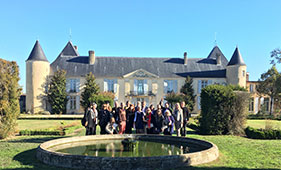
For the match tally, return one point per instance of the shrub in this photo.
(262, 133)
(223, 111)
(9, 97)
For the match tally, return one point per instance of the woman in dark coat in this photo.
(168, 123)
(104, 117)
(159, 121)
(130, 113)
(139, 120)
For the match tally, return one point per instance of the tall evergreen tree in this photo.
(57, 96)
(90, 90)
(188, 93)
(270, 84)
(9, 97)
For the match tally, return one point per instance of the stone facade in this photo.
(133, 79)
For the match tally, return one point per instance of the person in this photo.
(115, 112)
(150, 121)
(128, 104)
(143, 106)
(104, 117)
(168, 123)
(152, 108)
(111, 127)
(138, 105)
(90, 121)
(130, 114)
(138, 121)
(185, 118)
(96, 115)
(122, 118)
(166, 107)
(178, 118)
(159, 121)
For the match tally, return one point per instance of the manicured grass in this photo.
(43, 124)
(276, 124)
(235, 152)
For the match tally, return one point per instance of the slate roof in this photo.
(162, 67)
(37, 54)
(236, 58)
(69, 50)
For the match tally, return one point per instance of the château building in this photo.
(129, 78)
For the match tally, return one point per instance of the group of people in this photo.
(123, 118)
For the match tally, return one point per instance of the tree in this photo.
(89, 91)
(56, 94)
(269, 84)
(173, 98)
(188, 93)
(9, 97)
(223, 111)
(276, 56)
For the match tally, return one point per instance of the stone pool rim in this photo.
(65, 160)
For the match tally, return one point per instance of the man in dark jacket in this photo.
(185, 118)
(104, 117)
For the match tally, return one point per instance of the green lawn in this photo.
(276, 124)
(235, 152)
(42, 124)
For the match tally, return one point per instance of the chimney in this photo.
(247, 76)
(185, 58)
(218, 58)
(76, 48)
(92, 57)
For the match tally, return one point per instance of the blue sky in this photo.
(144, 28)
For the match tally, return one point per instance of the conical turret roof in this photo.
(236, 58)
(69, 50)
(37, 54)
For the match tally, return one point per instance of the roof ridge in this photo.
(69, 50)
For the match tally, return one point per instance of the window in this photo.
(72, 85)
(170, 86)
(266, 104)
(243, 73)
(204, 83)
(251, 87)
(72, 101)
(140, 87)
(110, 85)
(251, 104)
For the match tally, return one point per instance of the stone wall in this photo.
(47, 154)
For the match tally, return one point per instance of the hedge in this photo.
(57, 132)
(254, 133)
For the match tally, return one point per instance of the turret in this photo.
(37, 72)
(236, 70)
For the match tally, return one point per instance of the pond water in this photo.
(114, 148)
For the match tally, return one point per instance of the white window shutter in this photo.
(175, 84)
(67, 85)
(145, 86)
(77, 85)
(115, 85)
(256, 104)
(262, 100)
(210, 82)
(77, 102)
(135, 85)
(199, 102)
(105, 83)
(199, 86)
(68, 103)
